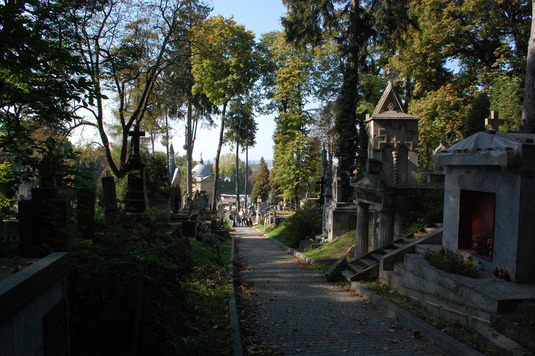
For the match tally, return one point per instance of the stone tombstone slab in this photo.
(488, 201)
(86, 212)
(44, 221)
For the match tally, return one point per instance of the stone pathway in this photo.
(301, 314)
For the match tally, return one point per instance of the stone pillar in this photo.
(363, 220)
(386, 228)
(375, 229)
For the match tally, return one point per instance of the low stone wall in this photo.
(450, 296)
(33, 309)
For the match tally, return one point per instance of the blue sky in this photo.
(259, 16)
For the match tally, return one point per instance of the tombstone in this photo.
(44, 222)
(488, 201)
(338, 216)
(109, 198)
(86, 212)
(135, 193)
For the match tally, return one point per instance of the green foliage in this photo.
(6, 198)
(452, 263)
(426, 209)
(41, 78)
(131, 276)
(163, 293)
(156, 172)
(507, 100)
(261, 187)
(223, 63)
(305, 223)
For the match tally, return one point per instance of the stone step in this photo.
(368, 262)
(390, 250)
(399, 245)
(377, 256)
(356, 268)
(348, 274)
(500, 343)
(522, 335)
(399, 267)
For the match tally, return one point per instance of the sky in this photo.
(259, 16)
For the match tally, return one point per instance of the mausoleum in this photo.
(203, 180)
(488, 201)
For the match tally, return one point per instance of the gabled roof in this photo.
(389, 106)
(389, 101)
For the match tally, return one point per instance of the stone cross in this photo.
(136, 134)
(494, 121)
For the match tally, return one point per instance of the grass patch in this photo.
(334, 249)
(464, 334)
(279, 233)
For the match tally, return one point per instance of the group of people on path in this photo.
(241, 219)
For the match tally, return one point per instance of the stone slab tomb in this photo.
(489, 210)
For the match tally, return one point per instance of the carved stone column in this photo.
(386, 228)
(363, 220)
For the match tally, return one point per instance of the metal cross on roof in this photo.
(494, 122)
(136, 134)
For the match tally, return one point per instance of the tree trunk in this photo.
(237, 178)
(216, 173)
(528, 109)
(189, 150)
(246, 174)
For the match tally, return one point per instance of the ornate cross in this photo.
(494, 121)
(136, 134)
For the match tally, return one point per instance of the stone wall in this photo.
(33, 309)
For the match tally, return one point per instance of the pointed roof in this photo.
(171, 150)
(389, 106)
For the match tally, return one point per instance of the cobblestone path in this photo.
(299, 313)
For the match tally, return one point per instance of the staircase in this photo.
(367, 267)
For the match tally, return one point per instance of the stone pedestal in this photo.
(135, 193)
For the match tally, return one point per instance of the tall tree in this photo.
(295, 152)
(126, 46)
(41, 79)
(307, 22)
(241, 132)
(261, 187)
(225, 66)
(528, 111)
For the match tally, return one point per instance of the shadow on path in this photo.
(298, 313)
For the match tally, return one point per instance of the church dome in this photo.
(200, 172)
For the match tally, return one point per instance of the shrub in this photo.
(305, 223)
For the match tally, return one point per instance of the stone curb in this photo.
(235, 334)
(441, 339)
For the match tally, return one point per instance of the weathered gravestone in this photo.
(135, 193)
(109, 198)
